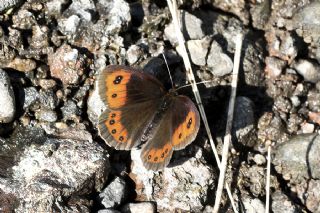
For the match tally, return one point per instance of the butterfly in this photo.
(142, 114)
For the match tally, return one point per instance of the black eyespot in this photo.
(166, 151)
(111, 122)
(121, 138)
(180, 135)
(113, 115)
(149, 157)
(155, 159)
(118, 79)
(189, 123)
(114, 95)
(162, 155)
(113, 131)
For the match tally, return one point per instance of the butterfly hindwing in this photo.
(132, 100)
(177, 128)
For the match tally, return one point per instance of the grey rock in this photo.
(46, 115)
(259, 159)
(95, 105)
(297, 158)
(198, 50)
(82, 8)
(306, 22)
(24, 19)
(219, 63)
(309, 71)
(281, 203)
(31, 96)
(114, 194)
(48, 99)
(274, 67)
(69, 110)
(117, 14)
(178, 187)
(134, 53)
(108, 211)
(46, 173)
(7, 99)
(313, 98)
(310, 188)
(191, 28)
(6, 4)
(253, 205)
(70, 25)
(243, 122)
(142, 207)
(55, 6)
(282, 44)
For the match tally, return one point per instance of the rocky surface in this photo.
(52, 157)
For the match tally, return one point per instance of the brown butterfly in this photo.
(141, 113)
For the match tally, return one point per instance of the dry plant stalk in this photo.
(175, 17)
(227, 137)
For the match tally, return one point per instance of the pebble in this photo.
(259, 159)
(281, 203)
(7, 99)
(198, 50)
(46, 115)
(243, 122)
(48, 168)
(310, 71)
(298, 158)
(114, 194)
(253, 205)
(274, 67)
(47, 83)
(95, 105)
(307, 128)
(108, 211)
(31, 96)
(142, 207)
(281, 44)
(69, 110)
(22, 65)
(179, 186)
(85, 9)
(69, 26)
(192, 29)
(66, 64)
(117, 13)
(6, 4)
(134, 53)
(55, 6)
(219, 63)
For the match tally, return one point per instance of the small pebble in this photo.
(142, 207)
(7, 99)
(309, 71)
(219, 63)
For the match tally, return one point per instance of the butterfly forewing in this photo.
(132, 99)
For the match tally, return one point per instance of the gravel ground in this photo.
(52, 158)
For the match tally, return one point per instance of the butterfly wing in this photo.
(177, 129)
(132, 99)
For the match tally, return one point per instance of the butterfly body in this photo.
(141, 113)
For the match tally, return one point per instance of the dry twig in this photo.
(175, 17)
(227, 137)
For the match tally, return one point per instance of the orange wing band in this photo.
(115, 127)
(116, 92)
(185, 129)
(158, 155)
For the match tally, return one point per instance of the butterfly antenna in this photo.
(165, 60)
